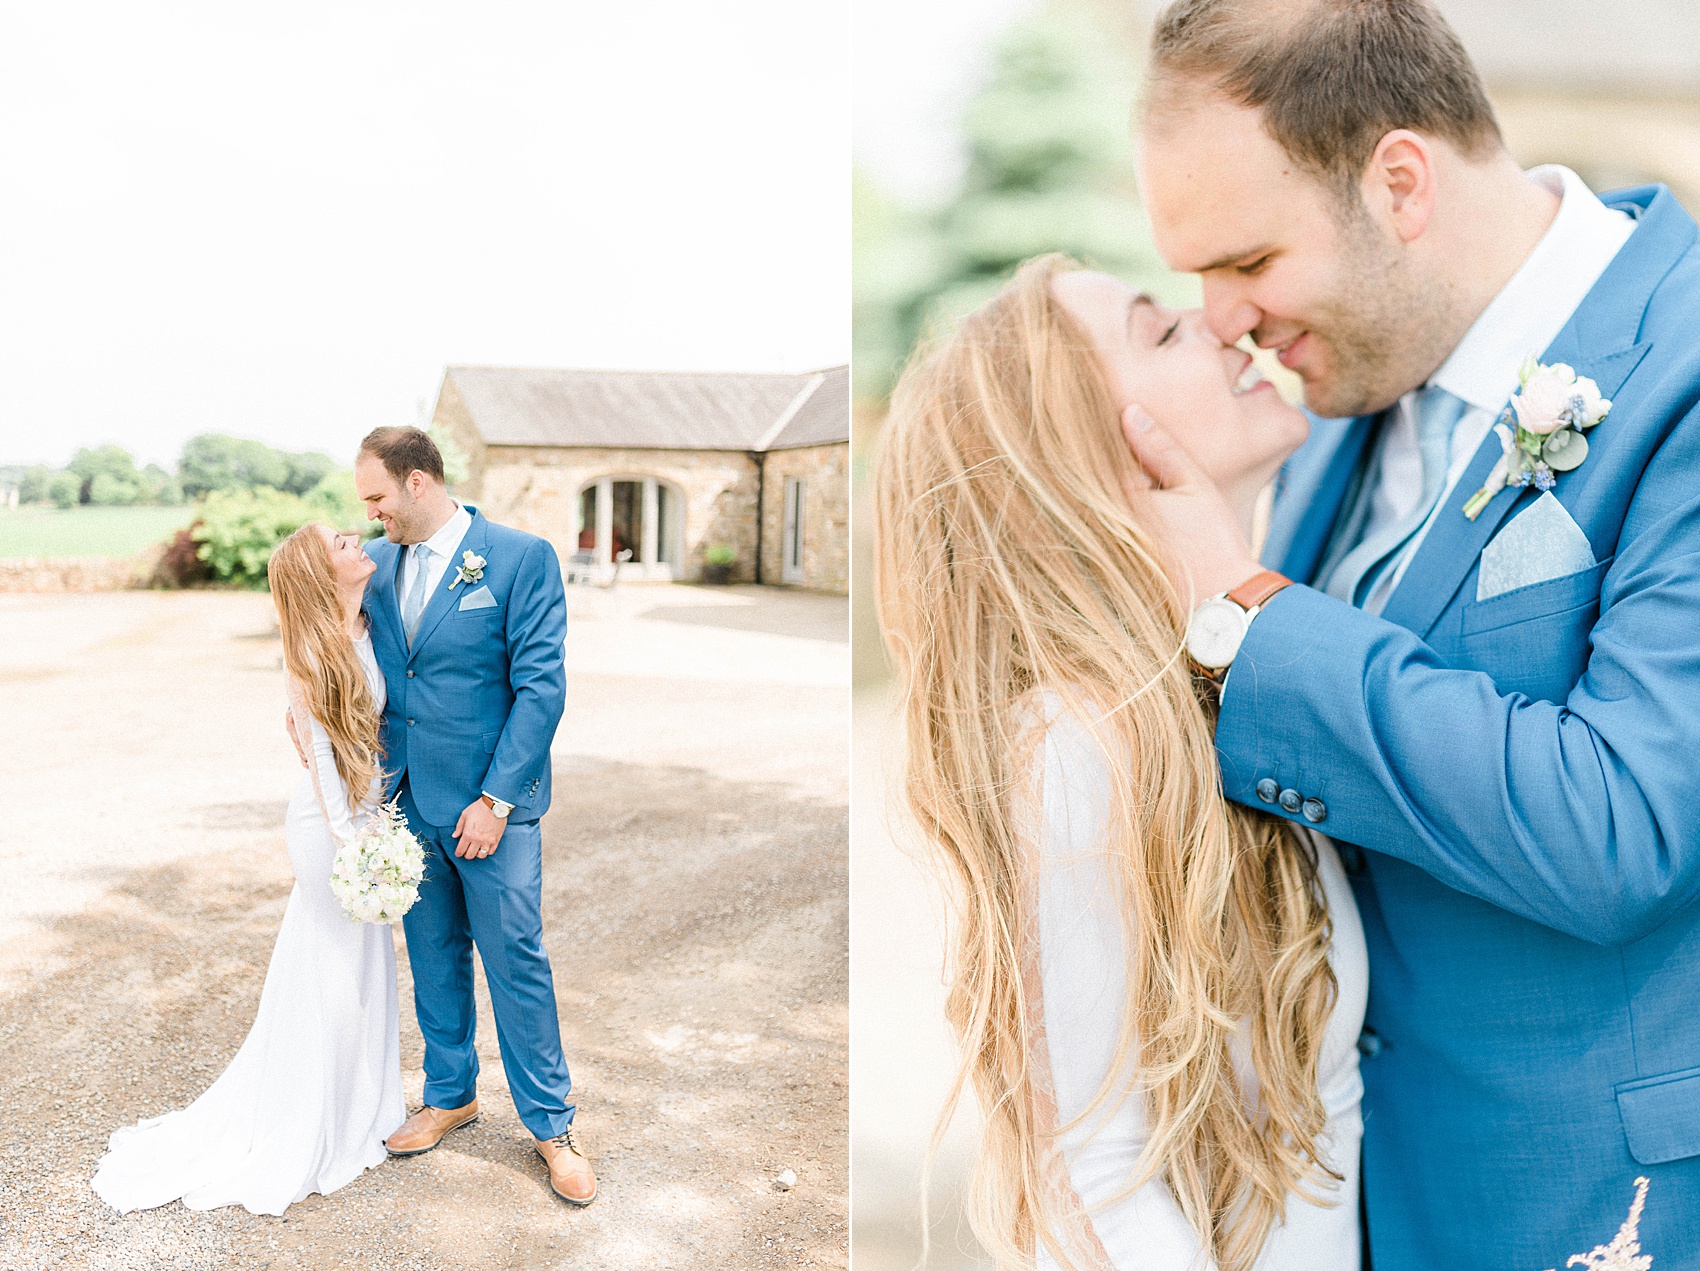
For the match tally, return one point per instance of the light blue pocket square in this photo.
(480, 599)
(1540, 542)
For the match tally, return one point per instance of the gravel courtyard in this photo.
(694, 907)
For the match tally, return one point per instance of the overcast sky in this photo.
(284, 220)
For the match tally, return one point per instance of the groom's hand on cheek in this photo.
(1207, 550)
(479, 831)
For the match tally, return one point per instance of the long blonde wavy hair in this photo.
(321, 659)
(1010, 560)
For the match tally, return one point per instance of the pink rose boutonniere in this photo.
(1541, 430)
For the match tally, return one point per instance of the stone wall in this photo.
(452, 416)
(536, 489)
(77, 573)
(824, 472)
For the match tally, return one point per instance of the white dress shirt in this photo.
(443, 544)
(1525, 317)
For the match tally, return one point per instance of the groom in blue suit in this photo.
(1494, 715)
(468, 621)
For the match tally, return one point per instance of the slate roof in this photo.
(654, 410)
(1636, 46)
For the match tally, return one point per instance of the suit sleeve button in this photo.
(410, 675)
(1369, 1045)
(410, 723)
(1268, 790)
(1291, 800)
(1315, 810)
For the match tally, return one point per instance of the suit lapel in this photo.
(475, 541)
(380, 595)
(1312, 486)
(1609, 317)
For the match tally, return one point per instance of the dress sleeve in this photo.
(327, 781)
(1083, 962)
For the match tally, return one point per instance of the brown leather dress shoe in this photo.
(570, 1175)
(425, 1128)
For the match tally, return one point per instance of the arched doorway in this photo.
(641, 515)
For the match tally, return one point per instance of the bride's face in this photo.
(1203, 393)
(349, 562)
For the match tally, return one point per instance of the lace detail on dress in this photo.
(1624, 1252)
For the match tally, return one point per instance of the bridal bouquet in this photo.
(376, 873)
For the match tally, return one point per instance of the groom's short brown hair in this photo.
(1332, 77)
(404, 451)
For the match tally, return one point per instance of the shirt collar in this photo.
(445, 540)
(1533, 307)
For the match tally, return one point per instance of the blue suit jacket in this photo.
(474, 706)
(1525, 772)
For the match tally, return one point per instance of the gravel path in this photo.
(694, 911)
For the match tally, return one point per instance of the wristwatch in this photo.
(497, 806)
(1218, 625)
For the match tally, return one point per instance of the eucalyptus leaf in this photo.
(1565, 449)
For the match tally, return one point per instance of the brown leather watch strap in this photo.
(1257, 589)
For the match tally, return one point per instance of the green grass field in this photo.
(87, 531)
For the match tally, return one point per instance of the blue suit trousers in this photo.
(494, 903)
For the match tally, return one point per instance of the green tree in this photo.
(160, 486)
(65, 489)
(455, 463)
(1050, 168)
(304, 471)
(105, 490)
(113, 468)
(36, 485)
(216, 461)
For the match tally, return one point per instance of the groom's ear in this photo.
(1400, 183)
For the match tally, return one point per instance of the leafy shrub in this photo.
(239, 530)
(181, 565)
(720, 555)
(335, 499)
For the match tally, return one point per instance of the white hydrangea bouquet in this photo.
(376, 874)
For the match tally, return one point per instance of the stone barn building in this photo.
(665, 465)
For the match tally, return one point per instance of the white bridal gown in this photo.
(308, 1100)
(1082, 972)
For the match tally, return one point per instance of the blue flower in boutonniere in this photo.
(1541, 430)
(470, 569)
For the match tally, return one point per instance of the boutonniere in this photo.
(470, 569)
(1540, 430)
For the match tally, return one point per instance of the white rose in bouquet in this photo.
(376, 874)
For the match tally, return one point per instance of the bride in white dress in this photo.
(1158, 994)
(315, 1089)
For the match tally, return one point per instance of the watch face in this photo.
(1214, 634)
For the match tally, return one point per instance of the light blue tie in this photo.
(1354, 578)
(414, 609)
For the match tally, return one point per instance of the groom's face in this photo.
(1283, 258)
(388, 501)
